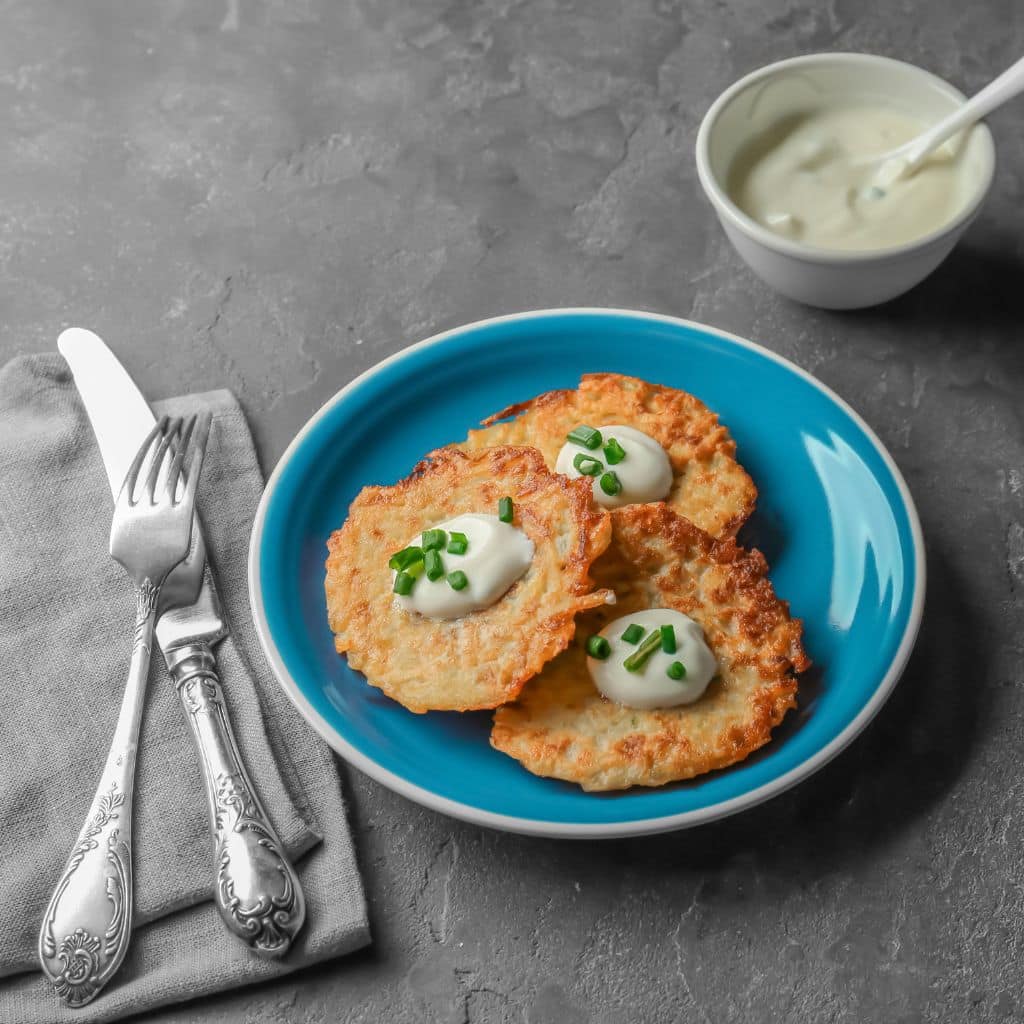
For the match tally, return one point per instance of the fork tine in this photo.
(174, 473)
(132, 476)
(172, 428)
(196, 456)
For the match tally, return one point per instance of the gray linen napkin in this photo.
(66, 612)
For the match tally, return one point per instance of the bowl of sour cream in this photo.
(785, 155)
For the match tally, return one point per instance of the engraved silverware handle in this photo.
(257, 891)
(88, 922)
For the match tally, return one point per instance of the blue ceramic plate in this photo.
(834, 518)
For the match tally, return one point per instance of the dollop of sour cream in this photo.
(645, 474)
(651, 686)
(498, 554)
(809, 177)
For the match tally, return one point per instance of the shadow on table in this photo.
(886, 781)
(980, 286)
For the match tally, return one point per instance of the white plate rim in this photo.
(601, 830)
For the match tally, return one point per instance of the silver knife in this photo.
(257, 891)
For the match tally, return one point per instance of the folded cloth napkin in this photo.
(66, 614)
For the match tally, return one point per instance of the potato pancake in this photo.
(709, 487)
(562, 727)
(484, 658)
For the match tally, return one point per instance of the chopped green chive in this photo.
(614, 452)
(586, 436)
(458, 543)
(404, 584)
(505, 510)
(668, 639)
(458, 580)
(434, 540)
(638, 658)
(610, 483)
(414, 569)
(587, 464)
(433, 565)
(403, 559)
(598, 647)
(677, 671)
(633, 633)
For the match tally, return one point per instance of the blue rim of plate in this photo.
(310, 696)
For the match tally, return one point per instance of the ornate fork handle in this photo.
(257, 891)
(88, 922)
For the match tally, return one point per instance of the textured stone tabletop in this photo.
(274, 194)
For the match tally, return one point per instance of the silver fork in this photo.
(88, 923)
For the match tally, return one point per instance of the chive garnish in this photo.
(433, 565)
(434, 540)
(404, 584)
(638, 658)
(610, 483)
(586, 436)
(598, 647)
(614, 452)
(505, 510)
(403, 559)
(458, 580)
(414, 569)
(458, 543)
(668, 639)
(677, 671)
(587, 464)
(633, 633)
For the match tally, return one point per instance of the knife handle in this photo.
(257, 892)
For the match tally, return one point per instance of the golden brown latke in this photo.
(562, 727)
(710, 488)
(482, 659)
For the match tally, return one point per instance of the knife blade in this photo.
(257, 891)
(121, 419)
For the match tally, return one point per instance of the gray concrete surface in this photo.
(273, 194)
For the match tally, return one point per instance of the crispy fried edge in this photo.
(747, 575)
(722, 442)
(593, 526)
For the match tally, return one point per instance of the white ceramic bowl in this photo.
(828, 278)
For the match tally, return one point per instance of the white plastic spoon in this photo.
(904, 160)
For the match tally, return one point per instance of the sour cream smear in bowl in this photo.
(811, 178)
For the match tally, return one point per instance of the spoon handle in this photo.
(1009, 84)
